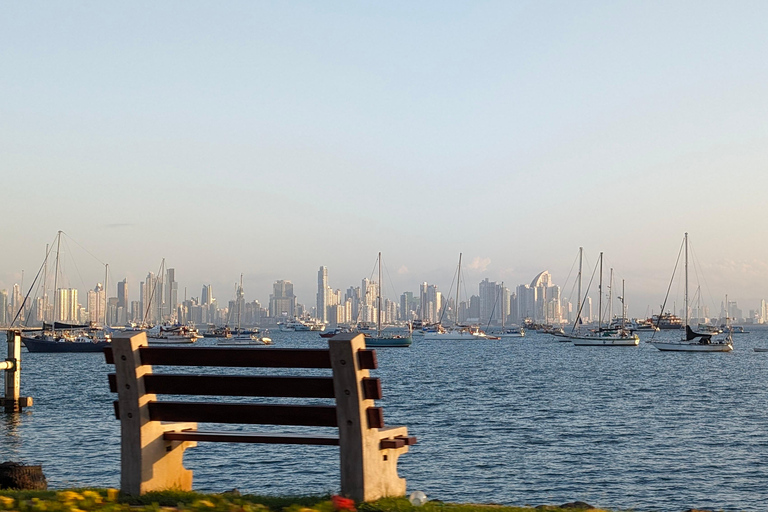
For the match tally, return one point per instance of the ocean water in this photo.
(517, 421)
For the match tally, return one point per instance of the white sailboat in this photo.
(458, 331)
(241, 337)
(601, 337)
(691, 341)
(386, 340)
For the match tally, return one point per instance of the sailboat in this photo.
(61, 336)
(241, 337)
(458, 331)
(385, 340)
(691, 341)
(601, 337)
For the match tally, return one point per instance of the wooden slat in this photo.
(236, 357)
(305, 415)
(371, 388)
(367, 359)
(116, 405)
(250, 437)
(385, 444)
(375, 417)
(237, 385)
(108, 355)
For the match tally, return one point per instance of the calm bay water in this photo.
(517, 421)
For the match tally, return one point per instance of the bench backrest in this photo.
(272, 386)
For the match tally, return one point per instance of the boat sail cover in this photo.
(689, 335)
(62, 325)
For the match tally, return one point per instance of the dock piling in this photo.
(12, 401)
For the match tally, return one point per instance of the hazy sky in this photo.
(269, 138)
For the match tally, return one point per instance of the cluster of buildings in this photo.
(158, 300)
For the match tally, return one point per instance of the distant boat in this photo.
(172, 334)
(381, 339)
(692, 341)
(601, 337)
(243, 337)
(64, 337)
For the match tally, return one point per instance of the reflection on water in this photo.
(516, 421)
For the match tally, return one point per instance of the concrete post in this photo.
(11, 401)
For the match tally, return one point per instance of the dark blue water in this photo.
(520, 421)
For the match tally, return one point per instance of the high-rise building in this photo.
(171, 294)
(322, 294)
(122, 294)
(206, 297)
(282, 302)
(429, 303)
(4, 308)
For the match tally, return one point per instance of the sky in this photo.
(270, 138)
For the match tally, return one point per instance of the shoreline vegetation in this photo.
(111, 500)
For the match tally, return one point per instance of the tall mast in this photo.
(45, 278)
(237, 295)
(600, 295)
(106, 287)
(56, 282)
(458, 284)
(578, 298)
(378, 301)
(686, 279)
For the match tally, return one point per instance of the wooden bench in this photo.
(153, 440)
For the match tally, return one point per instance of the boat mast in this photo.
(45, 278)
(237, 296)
(458, 285)
(106, 281)
(378, 301)
(56, 283)
(600, 295)
(578, 297)
(686, 279)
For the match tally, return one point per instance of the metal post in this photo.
(11, 401)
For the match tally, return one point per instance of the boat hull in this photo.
(452, 336)
(374, 341)
(604, 341)
(38, 345)
(692, 347)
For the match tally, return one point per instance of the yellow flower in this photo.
(112, 494)
(6, 502)
(67, 496)
(205, 503)
(93, 497)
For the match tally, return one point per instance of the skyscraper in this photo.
(282, 302)
(171, 293)
(122, 294)
(4, 308)
(322, 294)
(206, 297)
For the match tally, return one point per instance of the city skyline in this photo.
(543, 300)
(273, 138)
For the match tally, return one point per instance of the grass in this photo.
(109, 500)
